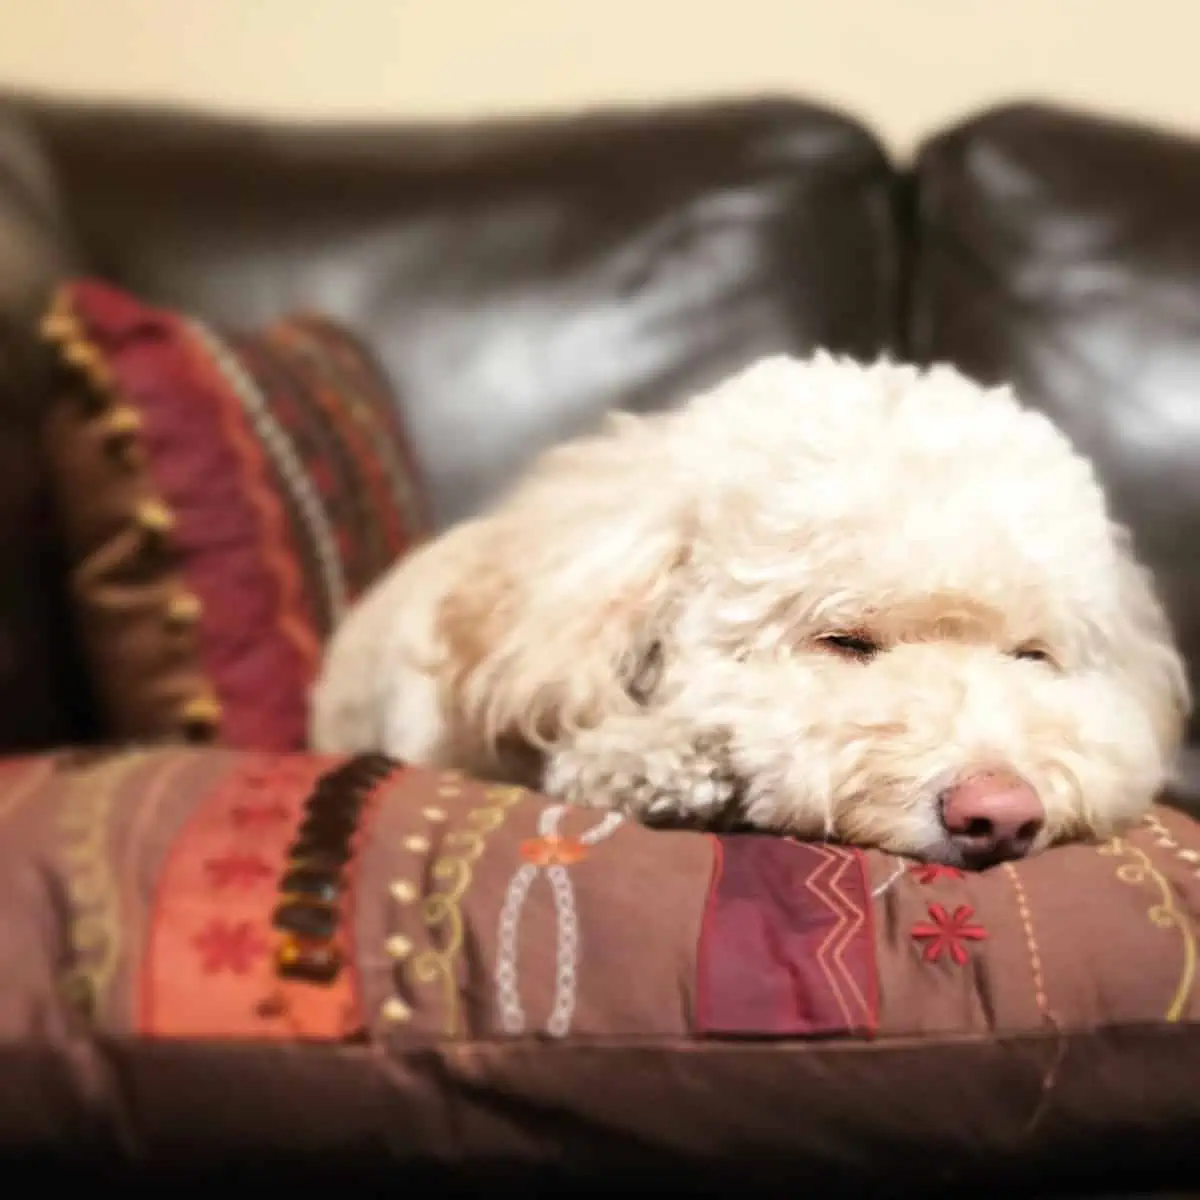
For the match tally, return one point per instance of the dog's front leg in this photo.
(658, 768)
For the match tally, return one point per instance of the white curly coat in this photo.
(822, 590)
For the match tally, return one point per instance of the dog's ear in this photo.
(571, 578)
(1146, 649)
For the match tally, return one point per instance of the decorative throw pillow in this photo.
(306, 955)
(224, 497)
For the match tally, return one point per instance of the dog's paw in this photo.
(690, 784)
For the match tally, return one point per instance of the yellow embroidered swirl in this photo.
(441, 909)
(1164, 914)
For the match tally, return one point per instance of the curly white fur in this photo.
(649, 612)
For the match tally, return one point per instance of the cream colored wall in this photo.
(905, 65)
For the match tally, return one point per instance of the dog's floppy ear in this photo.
(569, 578)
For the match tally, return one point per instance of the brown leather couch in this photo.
(517, 280)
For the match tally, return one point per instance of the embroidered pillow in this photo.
(224, 496)
(294, 955)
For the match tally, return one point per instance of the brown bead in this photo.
(306, 919)
(321, 886)
(300, 958)
(302, 857)
(327, 824)
(313, 850)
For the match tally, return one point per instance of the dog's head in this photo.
(966, 661)
(903, 595)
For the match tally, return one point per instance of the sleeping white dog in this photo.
(860, 602)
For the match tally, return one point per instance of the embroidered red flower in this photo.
(945, 933)
(931, 872)
(257, 815)
(553, 851)
(243, 869)
(229, 947)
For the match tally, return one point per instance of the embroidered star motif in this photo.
(932, 872)
(243, 869)
(229, 947)
(945, 933)
(553, 851)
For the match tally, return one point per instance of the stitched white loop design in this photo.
(567, 949)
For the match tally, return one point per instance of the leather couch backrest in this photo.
(516, 280)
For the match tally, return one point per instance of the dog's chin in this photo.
(941, 853)
(946, 854)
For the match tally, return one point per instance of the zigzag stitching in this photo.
(859, 920)
(849, 921)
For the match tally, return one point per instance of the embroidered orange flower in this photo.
(256, 816)
(553, 851)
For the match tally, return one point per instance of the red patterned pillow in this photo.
(224, 497)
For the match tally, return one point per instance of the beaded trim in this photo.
(199, 715)
(311, 912)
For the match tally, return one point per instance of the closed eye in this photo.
(1033, 654)
(850, 645)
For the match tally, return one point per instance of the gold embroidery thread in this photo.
(1164, 914)
(441, 910)
(1040, 997)
(95, 933)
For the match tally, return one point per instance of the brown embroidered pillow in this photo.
(289, 951)
(224, 496)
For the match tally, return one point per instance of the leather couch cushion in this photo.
(472, 976)
(224, 497)
(1062, 252)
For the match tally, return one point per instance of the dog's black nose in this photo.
(992, 817)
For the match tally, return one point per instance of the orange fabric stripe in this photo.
(209, 967)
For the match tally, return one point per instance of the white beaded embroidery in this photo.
(507, 978)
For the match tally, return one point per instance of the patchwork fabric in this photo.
(788, 945)
(224, 497)
(249, 930)
(495, 913)
(212, 893)
(245, 937)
